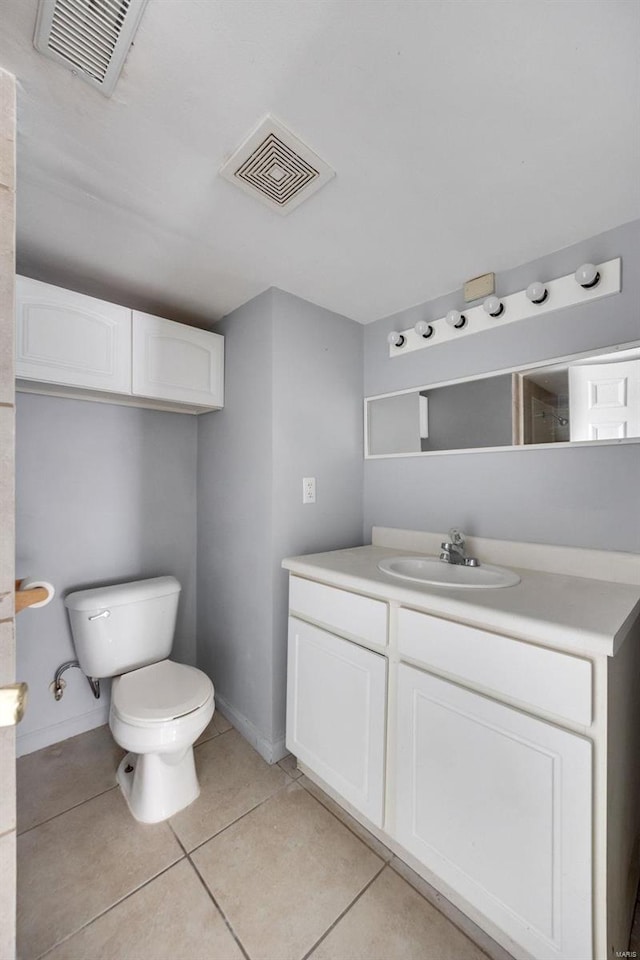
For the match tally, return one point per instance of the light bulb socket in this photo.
(424, 330)
(494, 307)
(584, 272)
(534, 295)
(396, 339)
(456, 319)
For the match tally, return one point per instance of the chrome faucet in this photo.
(453, 550)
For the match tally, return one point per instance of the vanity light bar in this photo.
(563, 292)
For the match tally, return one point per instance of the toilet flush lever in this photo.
(100, 616)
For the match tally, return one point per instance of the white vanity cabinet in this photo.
(67, 338)
(497, 804)
(172, 361)
(68, 344)
(336, 706)
(491, 740)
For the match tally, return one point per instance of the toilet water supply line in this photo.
(58, 685)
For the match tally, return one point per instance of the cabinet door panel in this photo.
(67, 338)
(336, 695)
(498, 804)
(172, 361)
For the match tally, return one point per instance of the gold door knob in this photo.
(13, 700)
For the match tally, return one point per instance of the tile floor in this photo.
(262, 866)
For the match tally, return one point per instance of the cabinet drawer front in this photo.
(67, 338)
(172, 361)
(336, 694)
(347, 613)
(552, 681)
(498, 805)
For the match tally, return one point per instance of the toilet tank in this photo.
(125, 626)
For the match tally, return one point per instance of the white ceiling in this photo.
(467, 136)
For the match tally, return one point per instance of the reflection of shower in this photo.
(547, 413)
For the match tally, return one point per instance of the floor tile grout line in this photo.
(389, 863)
(437, 907)
(74, 806)
(214, 736)
(111, 907)
(290, 775)
(22, 833)
(237, 819)
(346, 825)
(344, 912)
(186, 855)
(178, 840)
(220, 910)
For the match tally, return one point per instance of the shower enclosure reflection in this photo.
(591, 397)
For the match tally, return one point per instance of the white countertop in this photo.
(573, 614)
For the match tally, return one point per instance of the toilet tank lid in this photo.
(119, 594)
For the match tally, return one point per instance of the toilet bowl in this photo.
(157, 713)
(159, 707)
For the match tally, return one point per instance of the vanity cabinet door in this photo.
(498, 805)
(66, 338)
(336, 693)
(172, 361)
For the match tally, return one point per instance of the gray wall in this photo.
(235, 482)
(317, 432)
(293, 408)
(576, 496)
(104, 493)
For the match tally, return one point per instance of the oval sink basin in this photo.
(441, 574)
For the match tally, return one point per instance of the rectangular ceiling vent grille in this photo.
(276, 167)
(89, 37)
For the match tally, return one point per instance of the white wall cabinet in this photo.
(71, 345)
(67, 338)
(172, 361)
(498, 804)
(336, 702)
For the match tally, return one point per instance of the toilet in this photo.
(158, 707)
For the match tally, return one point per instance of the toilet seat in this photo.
(160, 692)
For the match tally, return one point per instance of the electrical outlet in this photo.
(308, 489)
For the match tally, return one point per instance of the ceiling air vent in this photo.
(89, 37)
(276, 167)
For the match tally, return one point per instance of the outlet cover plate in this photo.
(308, 489)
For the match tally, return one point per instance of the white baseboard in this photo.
(37, 739)
(269, 750)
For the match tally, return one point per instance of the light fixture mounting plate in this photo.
(480, 287)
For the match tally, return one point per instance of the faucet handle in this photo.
(456, 536)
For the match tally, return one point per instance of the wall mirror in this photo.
(587, 398)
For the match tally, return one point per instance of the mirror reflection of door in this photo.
(604, 400)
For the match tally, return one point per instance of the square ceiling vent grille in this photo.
(89, 37)
(276, 167)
